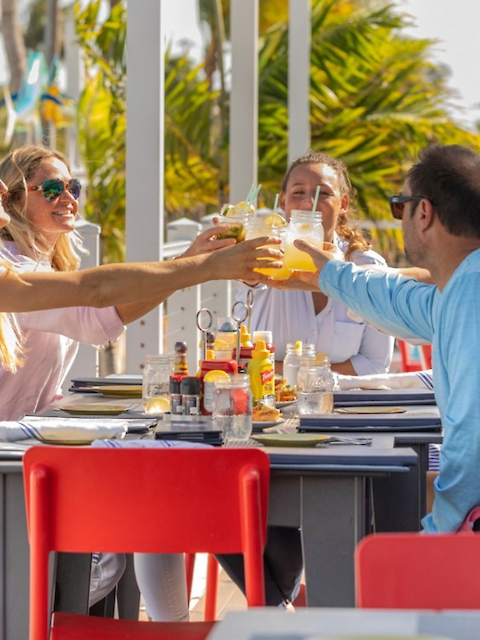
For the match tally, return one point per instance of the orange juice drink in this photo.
(265, 225)
(303, 225)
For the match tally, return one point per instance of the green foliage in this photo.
(191, 175)
(375, 100)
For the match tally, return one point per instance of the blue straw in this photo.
(275, 206)
(317, 193)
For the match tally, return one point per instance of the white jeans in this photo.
(161, 579)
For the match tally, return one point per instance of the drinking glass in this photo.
(156, 383)
(232, 409)
(315, 384)
(303, 225)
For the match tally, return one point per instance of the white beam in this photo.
(299, 40)
(145, 162)
(243, 98)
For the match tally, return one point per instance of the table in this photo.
(318, 624)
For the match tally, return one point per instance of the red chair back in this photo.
(414, 571)
(144, 500)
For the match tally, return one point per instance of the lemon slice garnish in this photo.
(240, 205)
(216, 375)
(275, 220)
(158, 405)
(298, 347)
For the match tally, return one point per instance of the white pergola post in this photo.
(145, 162)
(74, 66)
(243, 152)
(299, 40)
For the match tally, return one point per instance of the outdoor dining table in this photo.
(325, 492)
(323, 624)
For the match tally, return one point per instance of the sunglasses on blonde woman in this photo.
(54, 188)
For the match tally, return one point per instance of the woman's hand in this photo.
(207, 241)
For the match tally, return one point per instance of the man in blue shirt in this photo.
(440, 211)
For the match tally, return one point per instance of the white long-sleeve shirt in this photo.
(51, 342)
(290, 315)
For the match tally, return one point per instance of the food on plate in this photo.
(264, 413)
(283, 391)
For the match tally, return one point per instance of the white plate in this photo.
(284, 403)
(261, 424)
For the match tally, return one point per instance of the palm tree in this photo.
(375, 100)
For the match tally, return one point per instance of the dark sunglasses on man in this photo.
(397, 204)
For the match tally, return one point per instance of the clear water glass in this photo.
(232, 409)
(156, 383)
(315, 384)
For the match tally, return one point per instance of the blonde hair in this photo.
(16, 170)
(354, 237)
(11, 350)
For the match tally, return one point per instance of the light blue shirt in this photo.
(451, 321)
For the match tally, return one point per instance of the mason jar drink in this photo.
(315, 384)
(156, 383)
(270, 225)
(303, 225)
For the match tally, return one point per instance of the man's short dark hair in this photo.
(449, 176)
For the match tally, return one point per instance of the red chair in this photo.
(414, 571)
(426, 356)
(406, 362)
(211, 593)
(168, 501)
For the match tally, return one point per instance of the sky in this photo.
(453, 24)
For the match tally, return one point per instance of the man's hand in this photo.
(320, 257)
(308, 280)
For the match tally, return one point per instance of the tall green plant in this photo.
(375, 100)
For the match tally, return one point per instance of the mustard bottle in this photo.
(260, 370)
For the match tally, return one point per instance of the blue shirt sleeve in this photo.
(397, 305)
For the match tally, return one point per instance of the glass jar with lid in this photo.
(315, 384)
(294, 352)
(303, 225)
(156, 383)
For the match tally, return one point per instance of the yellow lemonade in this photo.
(297, 260)
(265, 225)
(303, 225)
(283, 273)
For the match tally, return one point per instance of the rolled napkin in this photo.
(412, 380)
(149, 444)
(62, 429)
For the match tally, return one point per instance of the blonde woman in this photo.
(42, 203)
